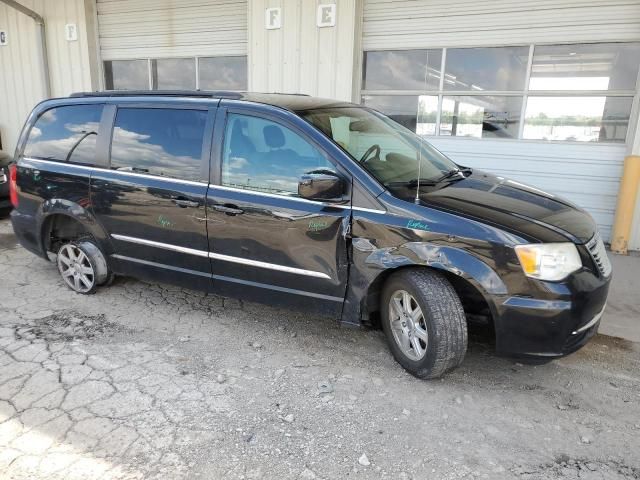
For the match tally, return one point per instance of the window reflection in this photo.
(173, 74)
(583, 119)
(66, 133)
(603, 66)
(262, 155)
(126, 75)
(223, 73)
(163, 142)
(480, 116)
(402, 70)
(500, 68)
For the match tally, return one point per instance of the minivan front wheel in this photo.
(424, 322)
(82, 266)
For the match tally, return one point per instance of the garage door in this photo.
(169, 44)
(541, 92)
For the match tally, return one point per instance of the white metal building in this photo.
(543, 92)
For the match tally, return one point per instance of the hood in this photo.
(513, 206)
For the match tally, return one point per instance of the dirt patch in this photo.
(67, 326)
(566, 467)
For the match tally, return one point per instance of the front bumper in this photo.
(553, 327)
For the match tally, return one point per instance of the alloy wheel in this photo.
(75, 268)
(408, 325)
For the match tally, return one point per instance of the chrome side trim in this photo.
(270, 266)
(295, 199)
(161, 265)
(273, 195)
(593, 321)
(370, 210)
(166, 246)
(65, 164)
(219, 256)
(156, 177)
(118, 172)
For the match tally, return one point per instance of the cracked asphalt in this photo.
(144, 380)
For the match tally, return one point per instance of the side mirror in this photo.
(321, 186)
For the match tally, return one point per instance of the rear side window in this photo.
(66, 134)
(158, 141)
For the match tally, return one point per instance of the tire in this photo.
(439, 326)
(82, 266)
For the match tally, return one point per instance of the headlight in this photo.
(549, 261)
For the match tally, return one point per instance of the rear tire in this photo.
(424, 321)
(82, 266)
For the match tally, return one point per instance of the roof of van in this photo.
(293, 102)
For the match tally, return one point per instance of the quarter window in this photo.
(262, 155)
(67, 134)
(158, 141)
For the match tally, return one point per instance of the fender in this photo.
(371, 263)
(75, 211)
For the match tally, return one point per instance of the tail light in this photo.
(13, 184)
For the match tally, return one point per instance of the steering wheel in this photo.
(373, 148)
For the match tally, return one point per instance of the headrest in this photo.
(273, 136)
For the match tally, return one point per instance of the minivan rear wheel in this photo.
(82, 266)
(424, 322)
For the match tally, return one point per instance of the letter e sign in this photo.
(327, 15)
(272, 18)
(4, 38)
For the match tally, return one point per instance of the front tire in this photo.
(424, 322)
(82, 266)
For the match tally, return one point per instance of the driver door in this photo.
(266, 242)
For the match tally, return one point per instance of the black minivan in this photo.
(310, 203)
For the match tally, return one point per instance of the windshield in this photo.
(385, 148)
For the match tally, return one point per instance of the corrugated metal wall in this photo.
(300, 57)
(392, 24)
(171, 28)
(21, 80)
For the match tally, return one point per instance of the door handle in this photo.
(184, 203)
(228, 209)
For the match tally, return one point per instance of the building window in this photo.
(480, 116)
(402, 70)
(205, 73)
(222, 73)
(581, 92)
(126, 75)
(486, 69)
(173, 74)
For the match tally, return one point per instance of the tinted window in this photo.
(126, 75)
(164, 142)
(174, 73)
(265, 156)
(223, 73)
(66, 133)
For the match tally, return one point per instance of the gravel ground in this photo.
(149, 381)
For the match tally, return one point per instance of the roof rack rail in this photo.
(160, 93)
